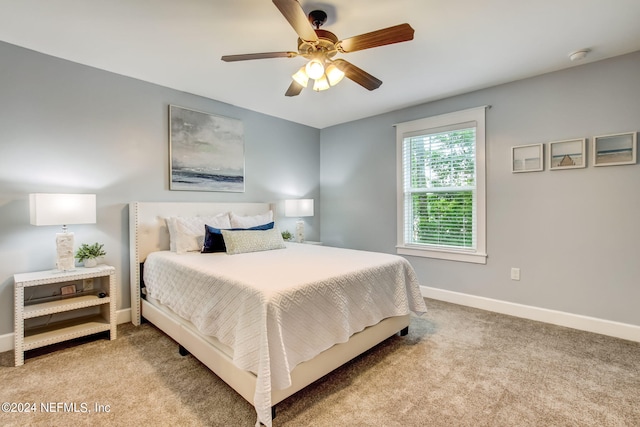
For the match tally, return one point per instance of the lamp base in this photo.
(300, 231)
(64, 249)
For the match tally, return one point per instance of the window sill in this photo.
(471, 257)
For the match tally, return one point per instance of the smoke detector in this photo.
(579, 54)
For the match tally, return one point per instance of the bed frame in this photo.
(148, 233)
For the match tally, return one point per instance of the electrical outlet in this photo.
(87, 284)
(515, 273)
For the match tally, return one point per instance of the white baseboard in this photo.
(123, 316)
(560, 318)
(6, 340)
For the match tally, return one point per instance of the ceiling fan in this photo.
(320, 46)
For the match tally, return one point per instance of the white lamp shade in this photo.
(321, 84)
(334, 74)
(301, 77)
(314, 69)
(298, 207)
(62, 209)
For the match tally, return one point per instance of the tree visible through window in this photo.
(441, 185)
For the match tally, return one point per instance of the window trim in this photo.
(479, 254)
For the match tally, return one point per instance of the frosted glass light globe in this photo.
(315, 69)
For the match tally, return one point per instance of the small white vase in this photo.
(90, 262)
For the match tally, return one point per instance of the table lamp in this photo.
(299, 208)
(63, 209)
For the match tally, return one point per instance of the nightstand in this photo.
(54, 306)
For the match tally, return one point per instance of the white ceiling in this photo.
(459, 46)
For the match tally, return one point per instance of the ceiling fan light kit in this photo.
(314, 69)
(320, 46)
(321, 84)
(324, 77)
(334, 74)
(301, 77)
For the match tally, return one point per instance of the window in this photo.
(441, 186)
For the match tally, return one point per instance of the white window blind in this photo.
(439, 186)
(439, 202)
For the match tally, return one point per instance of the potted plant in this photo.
(88, 254)
(286, 235)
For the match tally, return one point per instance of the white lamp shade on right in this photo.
(298, 208)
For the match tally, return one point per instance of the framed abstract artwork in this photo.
(206, 152)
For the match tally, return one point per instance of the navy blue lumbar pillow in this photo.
(214, 242)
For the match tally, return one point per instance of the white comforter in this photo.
(279, 308)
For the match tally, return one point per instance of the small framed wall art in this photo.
(570, 154)
(527, 158)
(612, 150)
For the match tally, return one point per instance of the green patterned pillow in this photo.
(242, 241)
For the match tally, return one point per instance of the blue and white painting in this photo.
(206, 151)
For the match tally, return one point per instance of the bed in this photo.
(250, 329)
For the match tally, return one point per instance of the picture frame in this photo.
(527, 158)
(615, 149)
(206, 151)
(568, 154)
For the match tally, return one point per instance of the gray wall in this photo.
(573, 233)
(69, 128)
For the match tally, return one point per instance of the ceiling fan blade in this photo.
(294, 89)
(293, 13)
(397, 34)
(266, 55)
(358, 75)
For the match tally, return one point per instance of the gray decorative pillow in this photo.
(242, 241)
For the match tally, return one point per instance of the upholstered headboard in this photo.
(148, 232)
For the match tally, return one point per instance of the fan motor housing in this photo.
(326, 44)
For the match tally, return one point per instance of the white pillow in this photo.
(239, 221)
(186, 234)
(243, 241)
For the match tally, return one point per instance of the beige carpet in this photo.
(457, 367)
